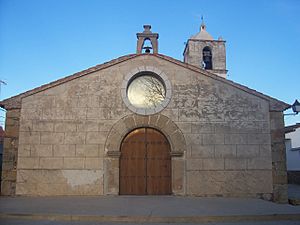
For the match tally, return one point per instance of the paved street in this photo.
(45, 222)
(141, 209)
(143, 206)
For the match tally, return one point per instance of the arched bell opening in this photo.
(207, 58)
(147, 46)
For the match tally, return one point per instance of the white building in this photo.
(293, 147)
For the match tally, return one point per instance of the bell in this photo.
(147, 49)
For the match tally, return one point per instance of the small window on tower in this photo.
(207, 58)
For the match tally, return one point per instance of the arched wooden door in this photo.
(145, 163)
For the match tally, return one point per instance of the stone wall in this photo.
(10, 152)
(193, 55)
(228, 137)
(62, 136)
(64, 130)
(278, 158)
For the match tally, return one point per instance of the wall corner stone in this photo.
(278, 158)
(10, 152)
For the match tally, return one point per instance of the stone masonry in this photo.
(10, 152)
(278, 158)
(193, 54)
(224, 139)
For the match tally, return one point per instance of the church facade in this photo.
(147, 124)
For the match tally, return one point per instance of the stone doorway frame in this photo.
(128, 123)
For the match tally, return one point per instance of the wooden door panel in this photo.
(145, 163)
(133, 164)
(158, 186)
(158, 163)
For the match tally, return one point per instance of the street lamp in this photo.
(295, 107)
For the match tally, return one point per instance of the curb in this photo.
(153, 219)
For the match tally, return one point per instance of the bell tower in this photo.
(147, 35)
(203, 51)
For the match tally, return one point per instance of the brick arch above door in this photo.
(128, 123)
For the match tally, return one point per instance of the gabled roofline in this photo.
(15, 101)
(275, 104)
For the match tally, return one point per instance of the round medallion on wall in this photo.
(146, 91)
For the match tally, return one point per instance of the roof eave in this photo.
(15, 101)
(274, 104)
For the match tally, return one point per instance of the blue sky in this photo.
(44, 40)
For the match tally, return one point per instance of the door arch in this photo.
(145, 163)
